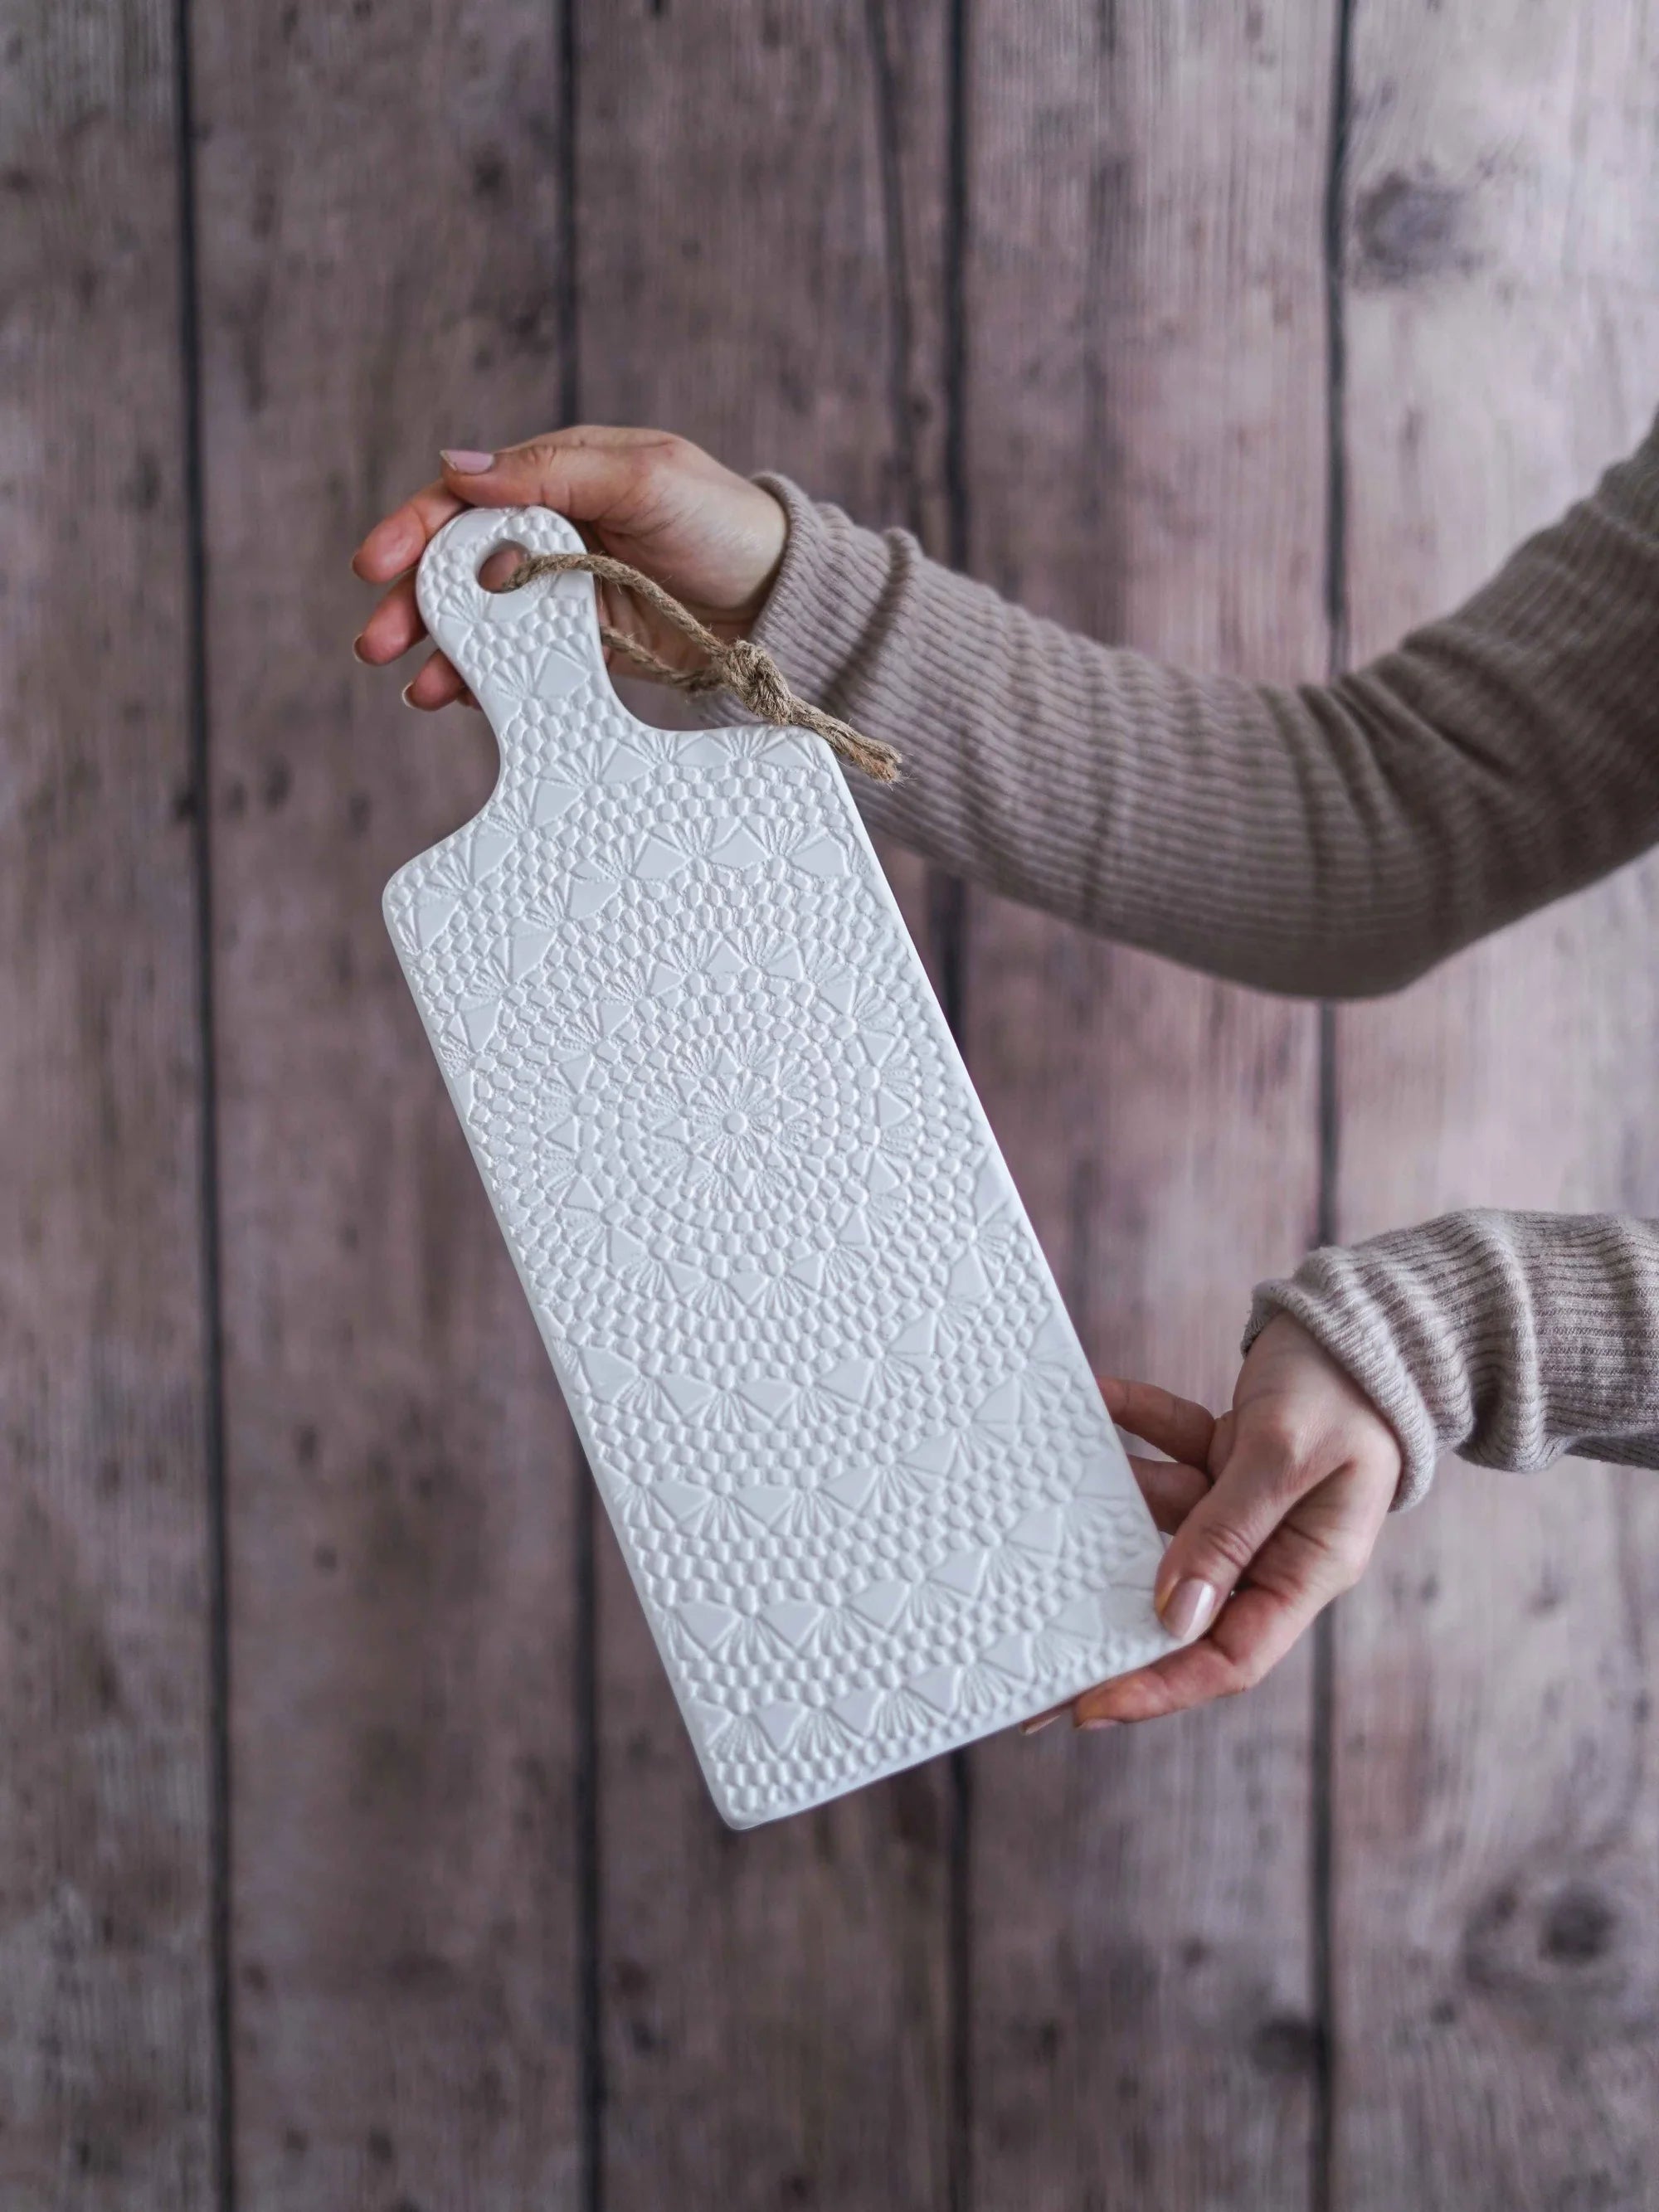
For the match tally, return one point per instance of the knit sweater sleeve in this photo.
(1331, 840)
(1509, 1338)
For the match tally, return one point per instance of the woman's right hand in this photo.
(657, 501)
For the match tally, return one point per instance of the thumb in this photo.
(588, 475)
(1260, 1480)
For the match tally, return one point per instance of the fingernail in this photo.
(407, 701)
(1088, 1727)
(465, 463)
(1038, 1721)
(357, 649)
(1189, 1607)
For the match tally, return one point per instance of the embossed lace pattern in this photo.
(862, 1476)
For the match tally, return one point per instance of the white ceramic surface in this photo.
(857, 1463)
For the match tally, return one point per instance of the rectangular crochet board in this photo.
(861, 1474)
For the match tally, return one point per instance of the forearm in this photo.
(1331, 840)
(1507, 1338)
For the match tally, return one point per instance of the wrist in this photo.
(823, 597)
(1352, 1336)
(755, 534)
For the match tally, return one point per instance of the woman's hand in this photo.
(1275, 1507)
(661, 504)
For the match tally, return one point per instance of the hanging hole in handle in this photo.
(498, 564)
(497, 606)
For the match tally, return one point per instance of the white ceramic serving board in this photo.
(862, 1476)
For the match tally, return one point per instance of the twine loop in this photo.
(744, 669)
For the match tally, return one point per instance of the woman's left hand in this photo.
(1275, 1507)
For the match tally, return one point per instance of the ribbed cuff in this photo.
(826, 596)
(1509, 1338)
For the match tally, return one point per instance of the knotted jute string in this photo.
(746, 670)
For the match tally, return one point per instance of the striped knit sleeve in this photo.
(1331, 840)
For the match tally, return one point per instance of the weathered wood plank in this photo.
(107, 2072)
(1146, 373)
(1498, 1841)
(381, 218)
(760, 243)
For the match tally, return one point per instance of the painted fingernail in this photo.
(1100, 1720)
(1189, 1608)
(1038, 1721)
(465, 463)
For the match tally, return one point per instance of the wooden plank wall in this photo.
(382, 211)
(109, 2074)
(351, 1851)
(1496, 1807)
(759, 186)
(1146, 443)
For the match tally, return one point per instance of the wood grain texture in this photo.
(1146, 378)
(381, 218)
(1497, 1846)
(1092, 1979)
(107, 2074)
(760, 240)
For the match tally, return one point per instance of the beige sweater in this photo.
(1333, 839)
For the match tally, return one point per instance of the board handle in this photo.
(506, 650)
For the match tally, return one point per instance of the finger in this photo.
(394, 626)
(1197, 1674)
(1221, 1444)
(1295, 1577)
(587, 473)
(399, 541)
(1170, 1489)
(437, 685)
(1168, 1424)
(1262, 1479)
